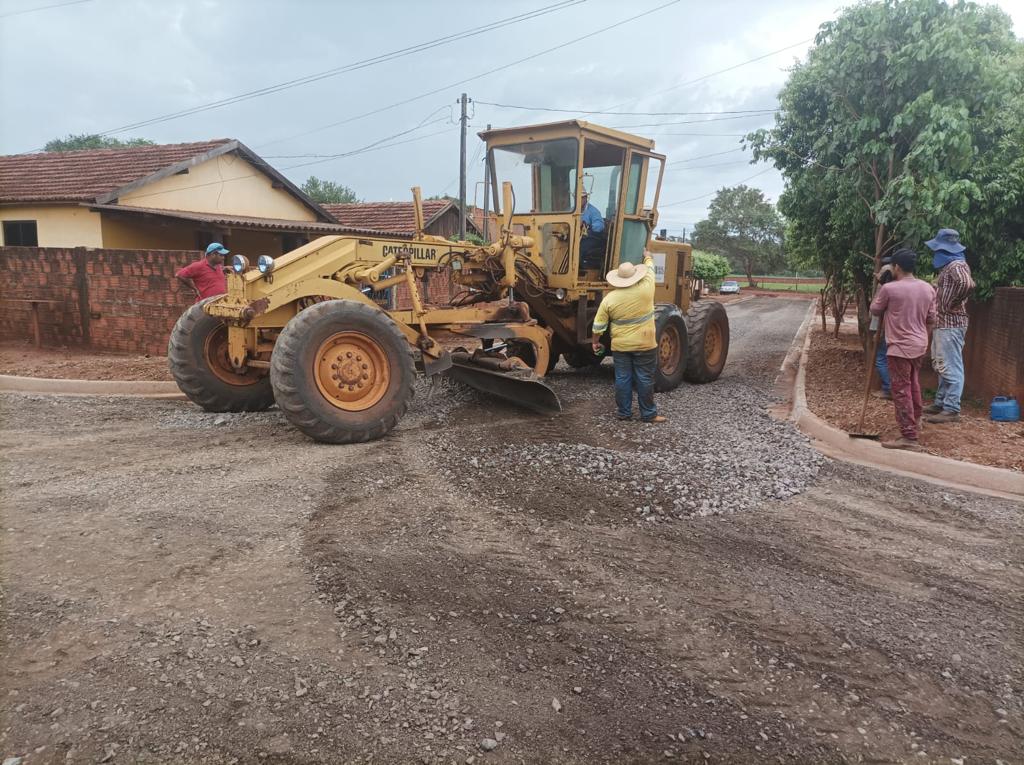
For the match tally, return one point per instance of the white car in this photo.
(729, 288)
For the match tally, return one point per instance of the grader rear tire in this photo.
(198, 356)
(670, 331)
(342, 372)
(707, 325)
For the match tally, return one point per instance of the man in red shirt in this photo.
(908, 305)
(206, 276)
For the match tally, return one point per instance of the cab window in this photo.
(602, 175)
(542, 174)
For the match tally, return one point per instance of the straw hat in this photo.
(626, 275)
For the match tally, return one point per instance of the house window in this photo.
(205, 238)
(291, 242)
(20, 233)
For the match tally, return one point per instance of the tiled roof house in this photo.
(440, 217)
(174, 196)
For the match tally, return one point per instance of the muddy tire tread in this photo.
(663, 384)
(697, 318)
(290, 393)
(196, 383)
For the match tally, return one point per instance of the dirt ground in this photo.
(187, 587)
(69, 364)
(835, 392)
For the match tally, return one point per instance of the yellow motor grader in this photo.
(304, 330)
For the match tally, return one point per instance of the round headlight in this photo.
(560, 294)
(239, 264)
(265, 264)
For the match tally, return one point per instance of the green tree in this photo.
(744, 227)
(905, 117)
(710, 268)
(328, 191)
(93, 141)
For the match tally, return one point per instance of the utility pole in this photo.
(462, 168)
(487, 192)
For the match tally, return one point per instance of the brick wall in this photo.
(121, 301)
(27, 274)
(118, 301)
(994, 348)
(437, 290)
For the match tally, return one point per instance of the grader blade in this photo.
(522, 388)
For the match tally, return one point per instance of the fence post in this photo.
(81, 258)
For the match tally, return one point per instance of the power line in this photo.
(610, 109)
(623, 114)
(704, 135)
(703, 156)
(711, 193)
(344, 154)
(718, 164)
(355, 152)
(42, 8)
(692, 122)
(713, 74)
(368, 148)
(384, 57)
(495, 70)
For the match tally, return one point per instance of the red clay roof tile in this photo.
(85, 175)
(396, 217)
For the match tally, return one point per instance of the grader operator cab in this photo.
(303, 330)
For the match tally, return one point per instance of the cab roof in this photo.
(538, 132)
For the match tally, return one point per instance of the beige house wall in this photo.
(252, 244)
(122, 234)
(59, 225)
(126, 234)
(228, 185)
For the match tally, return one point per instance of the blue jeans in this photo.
(635, 369)
(948, 362)
(882, 364)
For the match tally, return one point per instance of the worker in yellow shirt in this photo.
(629, 311)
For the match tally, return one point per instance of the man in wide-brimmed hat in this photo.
(952, 289)
(629, 311)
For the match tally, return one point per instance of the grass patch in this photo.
(787, 287)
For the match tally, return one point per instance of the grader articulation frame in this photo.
(302, 331)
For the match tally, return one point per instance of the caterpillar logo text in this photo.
(419, 254)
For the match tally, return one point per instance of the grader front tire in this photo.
(342, 372)
(198, 357)
(707, 325)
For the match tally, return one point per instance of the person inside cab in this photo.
(594, 241)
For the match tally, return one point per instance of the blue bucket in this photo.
(1005, 409)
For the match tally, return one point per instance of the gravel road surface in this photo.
(491, 586)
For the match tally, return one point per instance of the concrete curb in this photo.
(954, 474)
(49, 385)
(735, 302)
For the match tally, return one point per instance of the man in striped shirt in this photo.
(953, 287)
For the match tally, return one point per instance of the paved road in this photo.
(188, 587)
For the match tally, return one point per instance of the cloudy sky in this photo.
(101, 65)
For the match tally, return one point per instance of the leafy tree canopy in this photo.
(328, 191)
(744, 227)
(907, 116)
(87, 141)
(710, 268)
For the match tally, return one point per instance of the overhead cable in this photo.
(463, 81)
